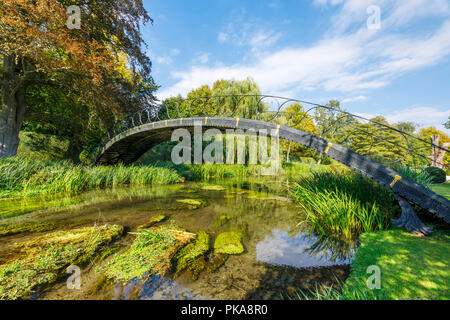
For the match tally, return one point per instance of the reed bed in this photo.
(343, 206)
(26, 177)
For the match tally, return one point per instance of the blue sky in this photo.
(314, 50)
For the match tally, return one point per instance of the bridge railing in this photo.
(366, 136)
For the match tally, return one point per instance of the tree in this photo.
(376, 140)
(245, 107)
(295, 117)
(37, 47)
(447, 124)
(206, 101)
(438, 158)
(331, 123)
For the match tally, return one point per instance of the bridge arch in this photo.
(131, 144)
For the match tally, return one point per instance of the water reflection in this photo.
(300, 251)
(157, 288)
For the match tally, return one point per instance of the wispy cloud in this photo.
(422, 116)
(354, 99)
(347, 61)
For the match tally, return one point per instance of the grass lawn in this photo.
(411, 267)
(442, 189)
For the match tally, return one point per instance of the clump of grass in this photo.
(342, 206)
(418, 175)
(20, 176)
(44, 260)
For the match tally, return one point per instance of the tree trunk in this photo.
(13, 109)
(288, 153)
(410, 221)
(437, 155)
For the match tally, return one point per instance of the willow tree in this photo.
(38, 45)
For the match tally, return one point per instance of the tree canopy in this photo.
(102, 66)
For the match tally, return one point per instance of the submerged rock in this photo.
(187, 257)
(214, 188)
(44, 260)
(229, 243)
(192, 203)
(151, 253)
(153, 221)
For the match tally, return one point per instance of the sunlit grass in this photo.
(22, 177)
(411, 267)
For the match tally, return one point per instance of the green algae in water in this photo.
(229, 243)
(47, 257)
(187, 257)
(214, 188)
(193, 203)
(150, 253)
(153, 221)
(33, 227)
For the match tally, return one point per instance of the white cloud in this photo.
(344, 62)
(354, 99)
(201, 58)
(423, 116)
(164, 60)
(174, 52)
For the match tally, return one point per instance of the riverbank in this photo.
(338, 204)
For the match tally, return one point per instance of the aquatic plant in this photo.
(195, 203)
(344, 205)
(213, 188)
(25, 177)
(186, 258)
(229, 243)
(31, 227)
(151, 253)
(153, 220)
(44, 260)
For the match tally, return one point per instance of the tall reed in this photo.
(24, 177)
(343, 206)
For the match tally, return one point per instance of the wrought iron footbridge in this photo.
(327, 130)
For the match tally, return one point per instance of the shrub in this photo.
(437, 175)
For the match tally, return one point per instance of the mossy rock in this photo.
(186, 258)
(192, 204)
(34, 227)
(153, 221)
(151, 253)
(214, 188)
(229, 243)
(43, 260)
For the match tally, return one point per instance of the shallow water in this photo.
(280, 254)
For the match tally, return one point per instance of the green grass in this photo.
(342, 206)
(442, 189)
(411, 267)
(23, 177)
